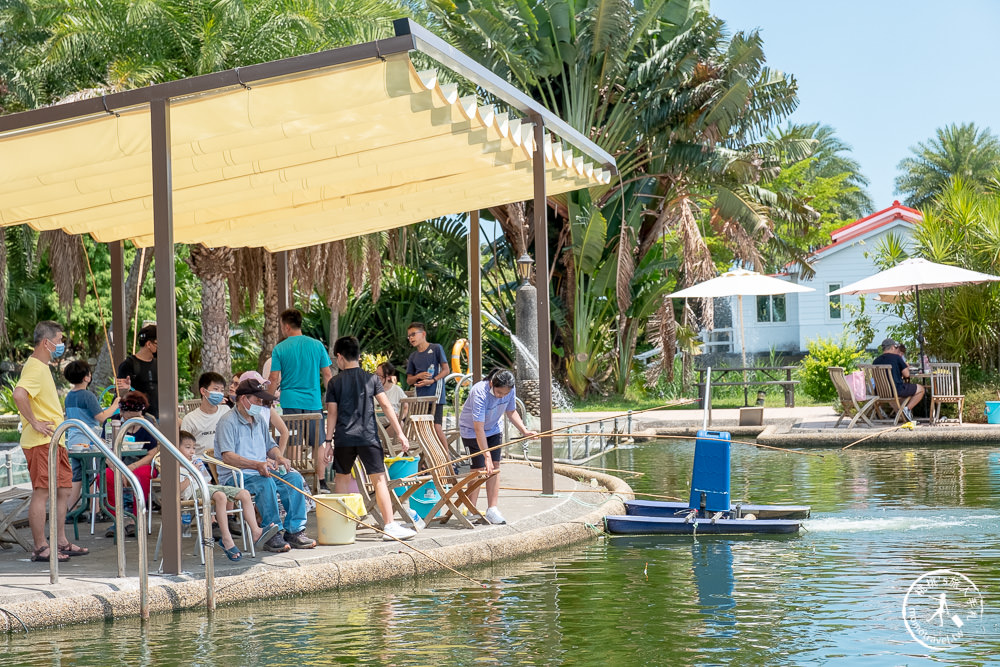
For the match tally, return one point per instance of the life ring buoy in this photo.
(456, 356)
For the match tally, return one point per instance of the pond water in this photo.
(831, 596)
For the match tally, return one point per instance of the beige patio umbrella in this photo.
(740, 283)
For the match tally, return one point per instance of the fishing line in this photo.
(735, 442)
(907, 425)
(376, 529)
(100, 310)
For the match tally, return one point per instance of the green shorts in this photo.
(230, 491)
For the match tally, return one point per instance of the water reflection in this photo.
(833, 595)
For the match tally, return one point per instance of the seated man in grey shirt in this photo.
(243, 440)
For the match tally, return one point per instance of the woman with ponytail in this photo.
(479, 426)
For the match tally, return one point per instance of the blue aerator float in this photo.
(709, 510)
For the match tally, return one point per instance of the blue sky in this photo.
(885, 74)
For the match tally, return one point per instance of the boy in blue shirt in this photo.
(82, 405)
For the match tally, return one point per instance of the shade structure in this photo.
(288, 162)
(913, 275)
(740, 283)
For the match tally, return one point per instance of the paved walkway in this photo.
(88, 588)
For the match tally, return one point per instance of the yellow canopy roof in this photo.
(287, 163)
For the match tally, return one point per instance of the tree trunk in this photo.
(106, 366)
(215, 354)
(269, 335)
(334, 329)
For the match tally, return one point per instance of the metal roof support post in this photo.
(166, 328)
(283, 281)
(119, 326)
(544, 319)
(475, 301)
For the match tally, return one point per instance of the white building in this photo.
(786, 323)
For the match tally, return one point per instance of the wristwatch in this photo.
(330, 440)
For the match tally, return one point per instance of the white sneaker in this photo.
(493, 516)
(398, 531)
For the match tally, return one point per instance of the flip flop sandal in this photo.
(37, 557)
(268, 533)
(73, 550)
(130, 530)
(232, 554)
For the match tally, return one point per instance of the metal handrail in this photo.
(195, 478)
(140, 502)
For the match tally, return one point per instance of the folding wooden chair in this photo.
(848, 401)
(300, 449)
(946, 388)
(399, 506)
(13, 501)
(885, 389)
(453, 488)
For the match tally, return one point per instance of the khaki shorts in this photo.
(38, 467)
(230, 491)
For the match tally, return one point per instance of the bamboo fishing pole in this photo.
(907, 425)
(735, 442)
(377, 530)
(543, 434)
(634, 493)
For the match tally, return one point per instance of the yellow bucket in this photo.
(334, 528)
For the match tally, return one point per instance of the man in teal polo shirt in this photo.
(301, 369)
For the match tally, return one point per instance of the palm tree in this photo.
(964, 151)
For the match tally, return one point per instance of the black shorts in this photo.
(372, 458)
(906, 389)
(473, 446)
(439, 413)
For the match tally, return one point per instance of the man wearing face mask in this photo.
(243, 440)
(37, 401)
(202, 421)
(138, 371)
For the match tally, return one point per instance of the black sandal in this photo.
(37, 557)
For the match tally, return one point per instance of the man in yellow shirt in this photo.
(38, 402)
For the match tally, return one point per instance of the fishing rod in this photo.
(735, 442)
(634, 493)
(907, 425)
(547, 433)
(377, 530)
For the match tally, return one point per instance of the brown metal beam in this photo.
(166, 329)
(475, 300)
(544, 319)
(284, 282)
(119, 325)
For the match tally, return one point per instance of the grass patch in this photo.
(9, 435)
(722, 398)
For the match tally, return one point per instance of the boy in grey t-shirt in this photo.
(426, 370)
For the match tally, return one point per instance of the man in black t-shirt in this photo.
(351, 432)
(138, 371)
(891, 356)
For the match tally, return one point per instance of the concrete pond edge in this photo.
(315, 578)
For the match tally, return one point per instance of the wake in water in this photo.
(893, 523)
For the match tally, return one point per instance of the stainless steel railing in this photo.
(196, 478)
(116, 462)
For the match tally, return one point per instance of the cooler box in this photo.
(424, 499)
(993, 412)
(710, 473)
(398, 467)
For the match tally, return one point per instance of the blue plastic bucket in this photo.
(993, 412)
(399, 467)
(424, 499)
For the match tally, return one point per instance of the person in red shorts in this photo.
(41, 412)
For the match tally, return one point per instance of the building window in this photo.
(835, 309)
(771, 308)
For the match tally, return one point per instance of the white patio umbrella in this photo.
(912, 275)
(740, 283)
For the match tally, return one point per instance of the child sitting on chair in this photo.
(220, 496)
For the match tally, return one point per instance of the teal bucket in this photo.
(424, 499)
(399, 467)
(993, 412)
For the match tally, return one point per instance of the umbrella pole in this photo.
(920, 329)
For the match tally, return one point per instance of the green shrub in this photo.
(974, 411)
(823, 353)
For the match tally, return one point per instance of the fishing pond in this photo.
(833, 595)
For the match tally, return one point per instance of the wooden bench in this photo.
(13, 501)
(721, 378)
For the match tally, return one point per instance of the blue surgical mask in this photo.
(58, 352)
(215, 397)
(255, 410)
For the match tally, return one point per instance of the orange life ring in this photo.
(456, 356)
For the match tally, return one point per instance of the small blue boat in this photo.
(736, 510)
(660, 525)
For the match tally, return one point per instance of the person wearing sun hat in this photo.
(243, 440)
